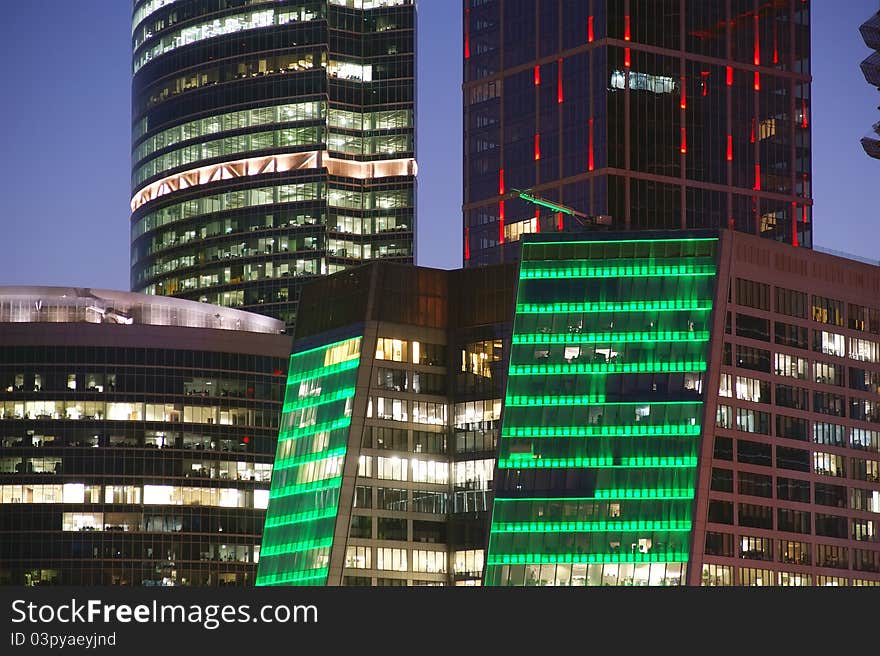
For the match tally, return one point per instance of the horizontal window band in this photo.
(678, 305)
(645, 336)
(567, 558)
(242, 168)
(600, 431)
(591, 527)
(611, 368)
(596, 463)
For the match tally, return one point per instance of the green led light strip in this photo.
(296, 577)
(296, 547)
(592, 527)
(314, 401)
(323, 371)
(653, 367)
(614, 338)
(635, 271)
(600, 462)
(299, 518)
(302, 488)
(602, 242)
(288, 463)
(623, 430)
(694, 305)
(614, 495)
(586, 399)
(567, 558)
(314, 429)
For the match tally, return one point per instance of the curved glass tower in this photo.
(272, 142)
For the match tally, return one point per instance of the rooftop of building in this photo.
(32, 304)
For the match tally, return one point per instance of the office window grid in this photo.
(823, 450)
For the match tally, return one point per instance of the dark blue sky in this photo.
(64, 181)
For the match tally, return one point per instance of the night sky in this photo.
(66, 138)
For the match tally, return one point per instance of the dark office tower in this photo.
(383, 474)
(658, 113)
(136, 438)
(870, 30)
(272, 142)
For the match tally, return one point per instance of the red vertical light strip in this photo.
(537, 75)
(684, 147)
(537, 219)
(467, 33)
(501, 222)
(467, 243)
(704, 76)
(757, 42)
(757, 53)
(559, 224)
(626, 32)
(559, 82)
(500, 181)
(757, 177)
(537, 147)
(683, 103)
(627, 58)
(590, 34)
(804, 214)
(730, 76)
(729, 147)
(804, 122)
(752, 138)
(590, 149)
(794, 237)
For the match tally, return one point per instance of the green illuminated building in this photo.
(387, 443)
(312, 444)
(679, 408)
(604, 409)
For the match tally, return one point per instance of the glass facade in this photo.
(600, 438)
(406, 501)
(312, 445)
(272, 142)
(136, 441)
(662, 114)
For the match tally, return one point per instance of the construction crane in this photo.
(580, 217)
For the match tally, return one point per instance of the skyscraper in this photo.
(658, 113)
(272, 142)
(136, 438)
(689, 407)
(870, 31)
(383, 474)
